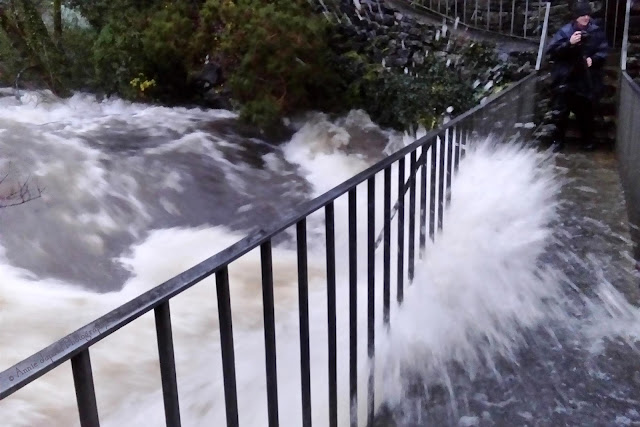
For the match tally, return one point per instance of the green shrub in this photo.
(276, 54)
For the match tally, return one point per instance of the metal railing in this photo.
(628, 139)
(433, 161)
(519, 19)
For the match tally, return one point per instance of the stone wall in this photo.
(399, 41)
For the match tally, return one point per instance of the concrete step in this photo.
(599, 137)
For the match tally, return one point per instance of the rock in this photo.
(418, 58)
(208, 77)
(415, 32)
(398, 61)
(403, 53)
(416, 44)
(399, 16)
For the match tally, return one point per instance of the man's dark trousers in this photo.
(584, 110)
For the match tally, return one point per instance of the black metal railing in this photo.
(628, 140)
(428, 180)
(521, 19)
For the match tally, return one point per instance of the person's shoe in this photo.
(557, 146)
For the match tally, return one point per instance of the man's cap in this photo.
(582, 8)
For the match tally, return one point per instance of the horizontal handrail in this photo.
(35, 366)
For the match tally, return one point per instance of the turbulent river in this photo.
(522, 312)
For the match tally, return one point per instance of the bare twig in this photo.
(19, 193)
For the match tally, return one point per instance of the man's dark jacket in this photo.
(570, 72)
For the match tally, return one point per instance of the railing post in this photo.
(423, 201)
(475, 14)
(167, 364)
(371, 259)
(353, 309)
(464, 12)
(433, 186)
(441, 179)
(400, 270)
(269, 332)
(85, 391)
(331, 313)
(226, 344)
(303, 308)
(456, 153)
(412, 217)
(543, 37)
(488, 13)
(625, 37)
(386, 245)
(450, 134)
(615, 26)
(513, 15)
(606, 15)
(526, 17)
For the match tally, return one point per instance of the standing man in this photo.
(578, 51)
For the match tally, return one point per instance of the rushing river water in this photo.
(521, 313)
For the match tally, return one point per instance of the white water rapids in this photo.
(136, 194)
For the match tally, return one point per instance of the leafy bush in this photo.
(398, 100)
(276, 53)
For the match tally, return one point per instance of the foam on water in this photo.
(480, 287)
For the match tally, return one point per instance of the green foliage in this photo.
(277, 53)
(398, 100)
(10, 60)
(278, 58)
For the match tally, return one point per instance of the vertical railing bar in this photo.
(167, 364)
(85, 391)
(450, 142)
(331, 313)
(441, 180)
(615, 25)
(513, 15)
(625, 37)
(456, 153)
(387, 245)
(423, 202)
(539, 13)
(400, 272)
(500, 17)
(226, 343)
(543, 36)
(526, 17)
(432, 193)
(371, 281)
(464, 12)
(269, 332)
(475, 14)
(353, 309)
(303, 307)
(488, 13)
(412, 217)
(606, 16)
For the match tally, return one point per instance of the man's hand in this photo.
(589, 62)
(576, 37)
